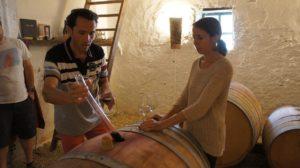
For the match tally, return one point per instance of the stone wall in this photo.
(265, 57)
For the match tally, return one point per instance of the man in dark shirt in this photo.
(74, 117)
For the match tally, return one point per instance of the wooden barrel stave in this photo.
(284, 151)
(238, 145)
(248, 103)
(244, 122)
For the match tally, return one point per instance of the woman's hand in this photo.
(154, 125)
(151, 125)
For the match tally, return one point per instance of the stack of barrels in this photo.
(173, 147)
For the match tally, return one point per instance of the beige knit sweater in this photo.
(203, 103)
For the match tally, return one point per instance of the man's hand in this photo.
(77, 93)
(89, 83)
(31, 95)
(108, 99)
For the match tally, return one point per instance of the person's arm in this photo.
(104, 84)
(106, 94)
(217, 83)
(29, 77)
(179, 105)
(196, 110)
(181, 102)
(154, 125)
(28, 68)
(52, 94)
(76, 94)
(173, 117)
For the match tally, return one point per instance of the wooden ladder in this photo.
(112, 42)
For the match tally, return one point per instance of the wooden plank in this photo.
(116, 30)
(104, 2)
(107, 29)
(103, 42)
(109, 15)
(87, 4)
(115, 39)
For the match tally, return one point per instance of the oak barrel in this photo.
(167, 149)
(244, 123)
(281, 138)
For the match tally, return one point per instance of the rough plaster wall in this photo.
(265, 57)
(70, 4)
(8, 18)
(267, 52)
(145, 64)
(47, 12)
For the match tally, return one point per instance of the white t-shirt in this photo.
(12, 82)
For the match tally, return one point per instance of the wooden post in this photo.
(175, 32)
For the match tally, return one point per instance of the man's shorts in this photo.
(17, 119)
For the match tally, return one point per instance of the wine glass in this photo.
(152, 101)
(145, 107)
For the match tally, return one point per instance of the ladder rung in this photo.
(108, 29)
(108, 15)
(103, 42)
(104, 2)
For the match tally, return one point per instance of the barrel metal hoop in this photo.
(188, 137)
(282, 131)
(278, 123)
(192, 141)
(135, 129)
(102, 159)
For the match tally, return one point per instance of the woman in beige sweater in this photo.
(202, 105)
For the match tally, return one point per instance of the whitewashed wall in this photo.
(8, 17)
(265, 59)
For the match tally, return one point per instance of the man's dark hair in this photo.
(0, 22)
(80, 12)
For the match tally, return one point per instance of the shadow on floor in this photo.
(255, 159)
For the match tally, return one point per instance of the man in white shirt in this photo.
(17, 114)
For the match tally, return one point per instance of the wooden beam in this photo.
(87, 4)
(105, 2)
(107, 29)
(115, 39)
(109, 15)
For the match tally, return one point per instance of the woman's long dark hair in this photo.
(213, 28)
